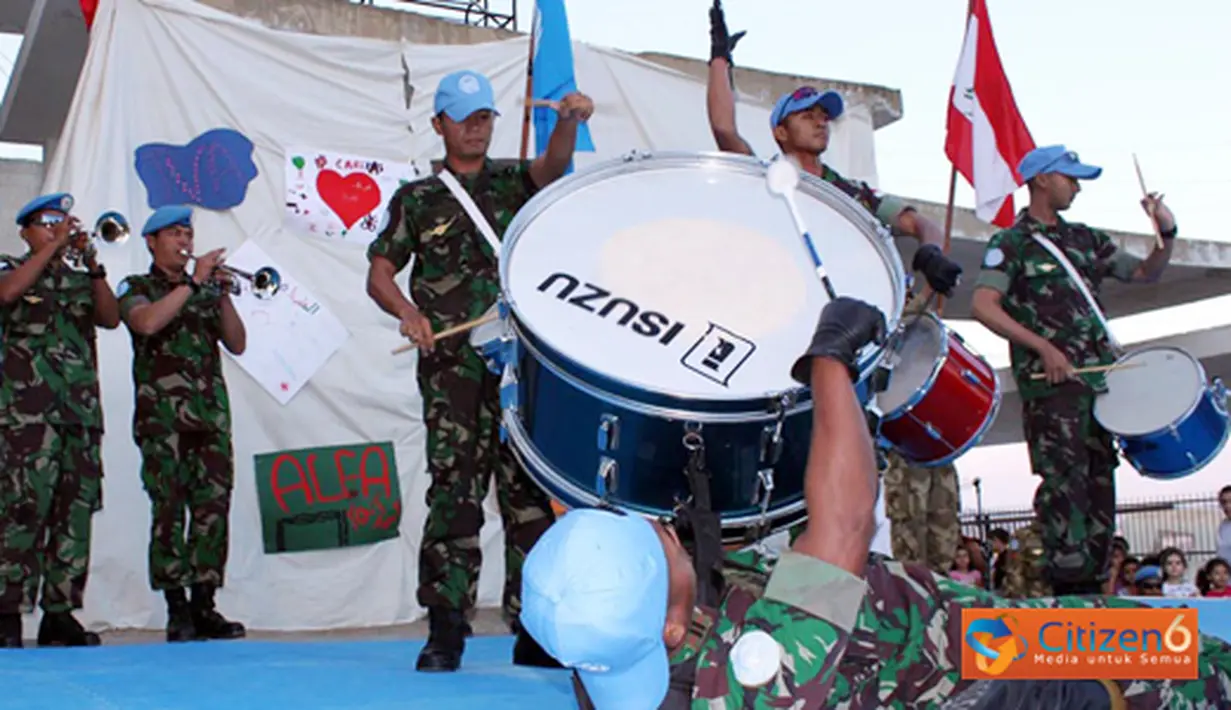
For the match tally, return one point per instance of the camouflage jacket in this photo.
(1037, 292)
(455, 276)
(177, 372)
(48, 351)
(885, 208)
(896, 645)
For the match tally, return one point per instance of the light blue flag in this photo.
(553, 75)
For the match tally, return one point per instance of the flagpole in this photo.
(940, 300)
(529, 109)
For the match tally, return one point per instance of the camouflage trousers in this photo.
(922, 507)
(1075, 503)
(461, 402)
(188, 474)
(51, 481)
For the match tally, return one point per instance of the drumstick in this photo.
(1093, 368)
(543, 103)
(1158, 235)
(469, 325)
(782, 179)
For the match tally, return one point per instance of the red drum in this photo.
(942, 396)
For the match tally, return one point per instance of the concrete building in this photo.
(45, 76)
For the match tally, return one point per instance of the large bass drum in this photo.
(656, 304)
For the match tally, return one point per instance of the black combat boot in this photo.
(209, 623)
(63, 629)
(528, 652)
(10, 631)
(446, 640)
(179, 617)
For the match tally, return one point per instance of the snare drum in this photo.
(662, 299)
(1169, 422)
(942, 396)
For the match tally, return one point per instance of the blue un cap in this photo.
(462, 93)
(1055, 159)
(594, 595)
(167, 216)
(804, 98)
(59, 201)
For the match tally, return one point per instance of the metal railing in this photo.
(477, 13)
(1189, 523)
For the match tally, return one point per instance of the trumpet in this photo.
(265, 282)
(111, 228)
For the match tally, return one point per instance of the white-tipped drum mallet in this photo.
(782, 178)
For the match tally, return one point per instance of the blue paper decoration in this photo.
(213, 171)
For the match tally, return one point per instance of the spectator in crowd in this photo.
(1149, 581)
(1000, 549)
(1119, 553)
(1175, 567)
(1212, 579)
(1224, 528)
(1124, 582)
(961, 570)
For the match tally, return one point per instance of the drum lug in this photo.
(608, 432)
(970, 376)
(771, 444)
(765, 484)
(608, 478)
(635, 154)
(932, 430)
(1221, 396)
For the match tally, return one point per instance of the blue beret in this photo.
(1055, 159)
(169, 216)
(61, 201)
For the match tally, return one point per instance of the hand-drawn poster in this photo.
(330, 497)
(340, 197)
(291, 335)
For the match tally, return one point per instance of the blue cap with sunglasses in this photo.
(58, 201)
(1055, 159)
(594, 595)
(804, 98)
(462, 93)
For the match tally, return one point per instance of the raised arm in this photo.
(720, 93)
(841, 478)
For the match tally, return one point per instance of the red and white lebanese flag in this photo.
(89, 8)
(987, 137)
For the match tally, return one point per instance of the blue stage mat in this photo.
(312, 675)
(236, 675)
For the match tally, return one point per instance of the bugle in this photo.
(111, 228)
(265, 282)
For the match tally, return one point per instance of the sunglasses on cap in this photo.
(48, 220)
(804, 92)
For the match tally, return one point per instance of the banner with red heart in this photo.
(351, 197)
(341, 197)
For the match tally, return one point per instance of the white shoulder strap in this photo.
(460, 194)
(1058, 254)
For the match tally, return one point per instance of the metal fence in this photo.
(1149, 525)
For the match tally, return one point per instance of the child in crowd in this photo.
(1224, 528)
(961, 570)
(1175, 565)
(1213, 578)
(1149, 581)
(1125, 584)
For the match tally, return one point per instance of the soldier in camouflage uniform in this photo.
(182, 419)
(455, 280)
(1026, 565)
(1026, 296)
(51, 422)
(919, 502)
(824, 626)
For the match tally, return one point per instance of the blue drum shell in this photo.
(1184, 448)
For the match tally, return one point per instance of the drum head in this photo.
(914, 360)
(1156, 388)
(683, 275)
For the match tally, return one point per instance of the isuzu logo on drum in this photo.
(602, 303)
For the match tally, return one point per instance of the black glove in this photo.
(722, 43)
(941, 272)
(845, 327)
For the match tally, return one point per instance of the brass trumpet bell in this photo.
(111, 228)
(266, 282)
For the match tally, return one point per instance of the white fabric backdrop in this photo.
(168, 70)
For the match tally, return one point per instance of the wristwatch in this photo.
(99, 273)
(1170, 233)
